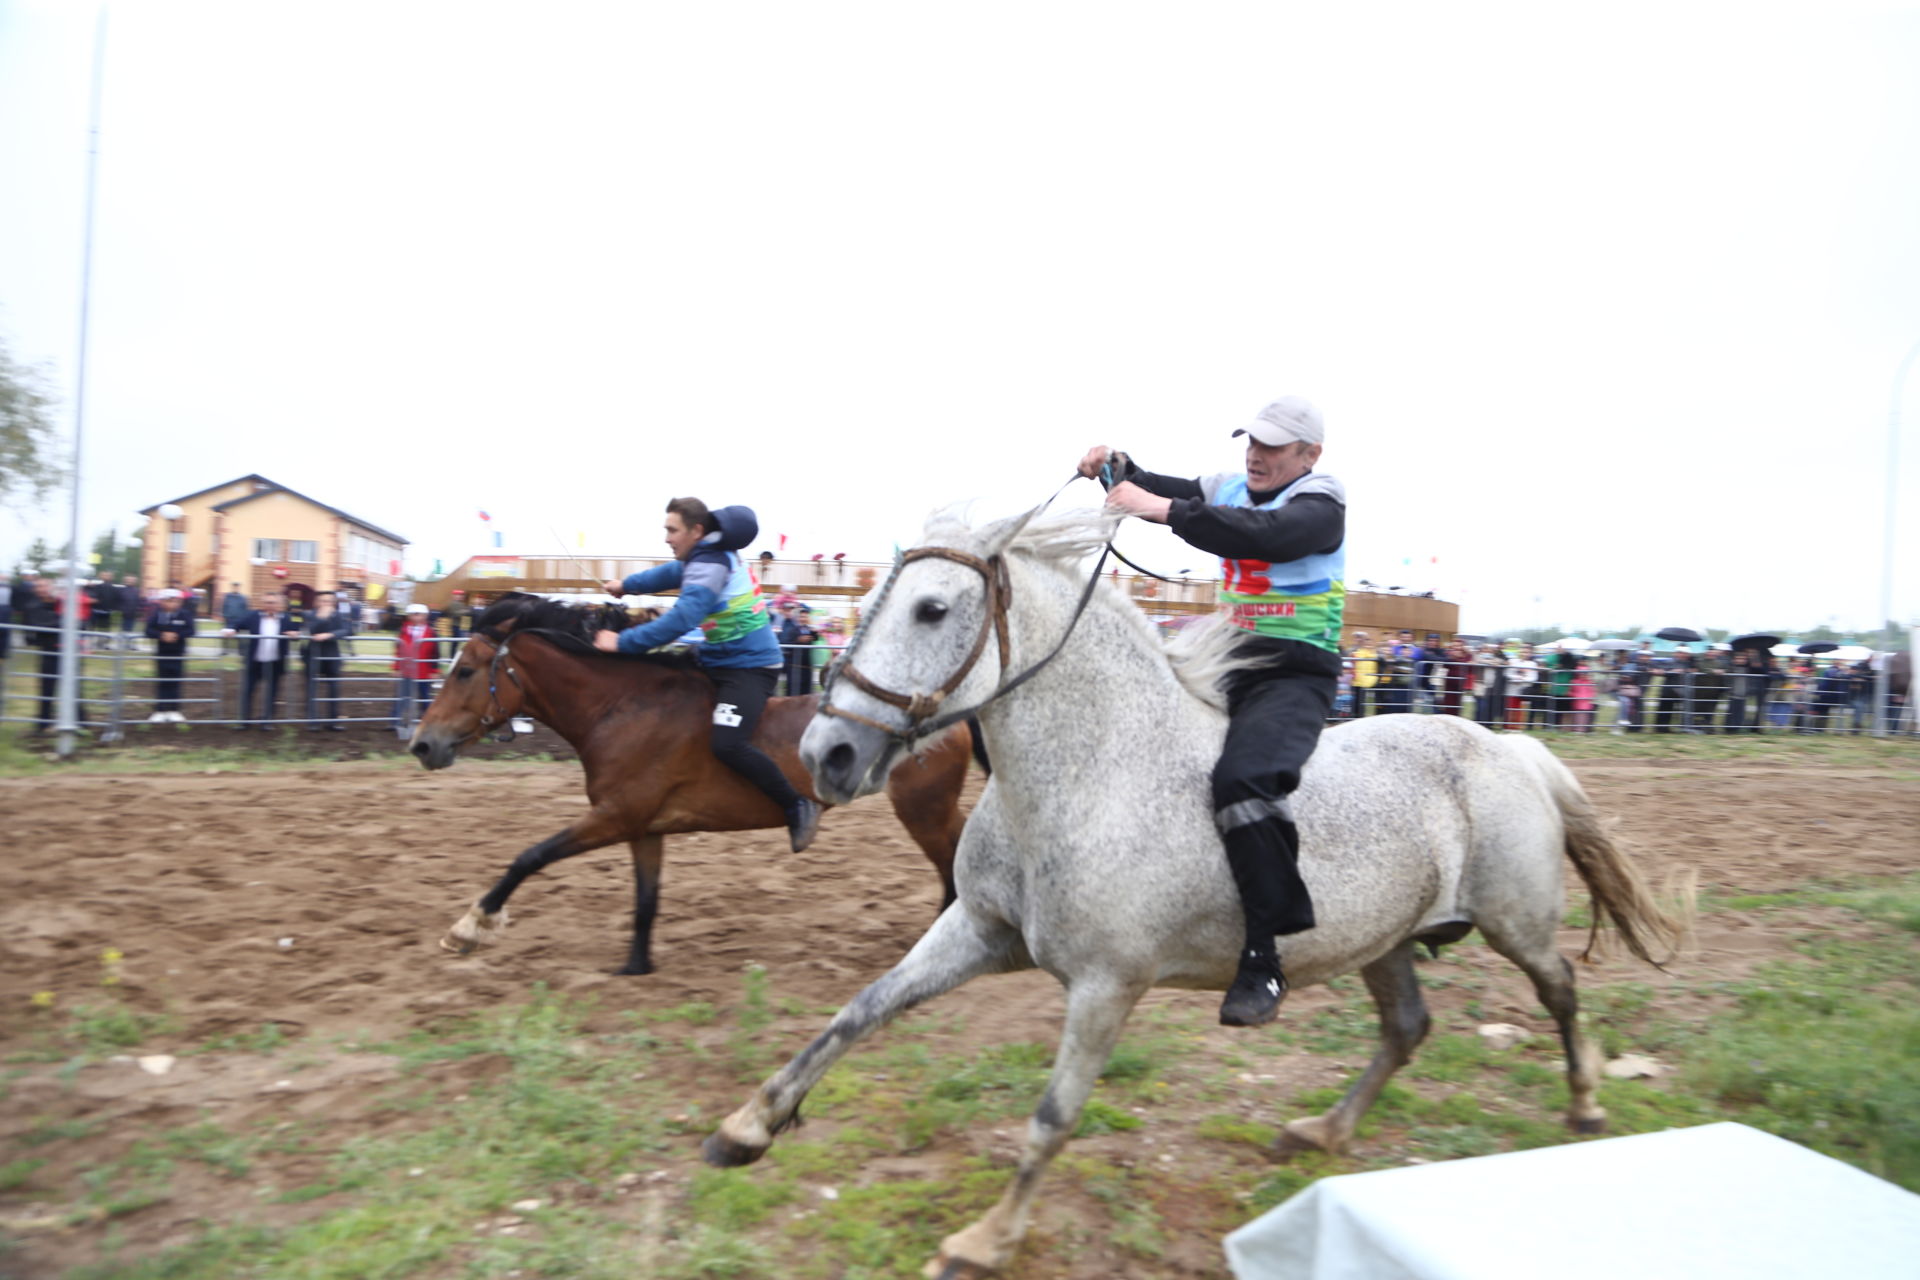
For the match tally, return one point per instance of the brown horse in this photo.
(640, 726)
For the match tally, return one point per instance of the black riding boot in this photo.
(1263, 856)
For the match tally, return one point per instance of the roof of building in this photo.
(274, 487)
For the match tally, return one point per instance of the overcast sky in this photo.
(1603, 304)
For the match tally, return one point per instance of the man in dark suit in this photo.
(266, 634)
(105, 595)
(169, 626)
(326, 627)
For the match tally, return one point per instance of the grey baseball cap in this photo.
(1286, 420)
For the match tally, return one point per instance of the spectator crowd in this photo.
(1507, 685)
(1632, 690)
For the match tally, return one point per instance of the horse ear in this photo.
(996, 537)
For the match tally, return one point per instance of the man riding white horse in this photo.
(719, 595)
(1280, 532)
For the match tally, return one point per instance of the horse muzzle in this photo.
(847, 760)
(434, 748)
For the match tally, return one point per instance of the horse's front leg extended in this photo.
(959, 946)
(1097, 1009)
(486, 918)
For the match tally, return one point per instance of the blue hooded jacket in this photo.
(717, 594)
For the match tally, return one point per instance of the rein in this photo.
(923, 709)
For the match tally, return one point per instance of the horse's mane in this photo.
(1202, 658)
(566, 625)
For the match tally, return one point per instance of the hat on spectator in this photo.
(1286, 420)
(416, 608)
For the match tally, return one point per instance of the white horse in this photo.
(1093, 853)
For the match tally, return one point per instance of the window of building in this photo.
(301, 552)
(369, 553)
(267, 549)
(177, 543)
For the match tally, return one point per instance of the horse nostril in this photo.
(420, 749)
(839, 762)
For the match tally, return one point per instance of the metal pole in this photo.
(67, 726)
(1893, 493)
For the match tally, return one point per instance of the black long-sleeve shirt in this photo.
(1312, 524)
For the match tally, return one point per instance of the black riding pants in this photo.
(1274, 720)
(740, 695)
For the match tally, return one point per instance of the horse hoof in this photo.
(723, 1152)
(458, 946)
(1301, 1137)
(633, 970)
(945, 1268)
(1592, 1124)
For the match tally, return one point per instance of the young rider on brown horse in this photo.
(719, 596)
(1279, 530)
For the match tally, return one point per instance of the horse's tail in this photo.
(979, 740)
(1620, 893)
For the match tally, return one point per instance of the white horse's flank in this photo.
(1093, 855)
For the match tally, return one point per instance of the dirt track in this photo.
(197, 879)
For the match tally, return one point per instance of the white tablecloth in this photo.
(1718, 1200)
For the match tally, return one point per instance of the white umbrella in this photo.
(1612, 645)
(1787, 649)
(1570, 643)
(1851, 653)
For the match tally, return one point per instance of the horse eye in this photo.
(930, 611)
(464, 673)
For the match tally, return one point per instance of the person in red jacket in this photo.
(415, 658)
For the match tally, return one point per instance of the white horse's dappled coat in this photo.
(1093, 854)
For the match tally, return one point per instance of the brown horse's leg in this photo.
(925, 793)
(648, 853)
(486, 917)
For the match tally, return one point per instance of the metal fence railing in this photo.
(1660, 697)
(125, 683)
(125, 680)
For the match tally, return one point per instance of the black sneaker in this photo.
(802, 821)
(1254, 998)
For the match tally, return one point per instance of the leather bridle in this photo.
(496, 715)
(924, 719)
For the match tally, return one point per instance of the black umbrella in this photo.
(1819, 646)
(1679, 635)
(1755, 641)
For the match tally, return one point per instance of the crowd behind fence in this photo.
(125, 682)
(1744, 691)
(127, 679)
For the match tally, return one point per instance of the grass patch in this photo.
(1098, 1117)
(17, 1173)
(735, 1200)
(892, 1229)
(1826, 1050)
(1230, 1128)
(270, 1036)
(1838, 751)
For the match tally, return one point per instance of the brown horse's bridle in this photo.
(490, 720)
(923, 709)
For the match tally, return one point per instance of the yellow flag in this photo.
(580, 540)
